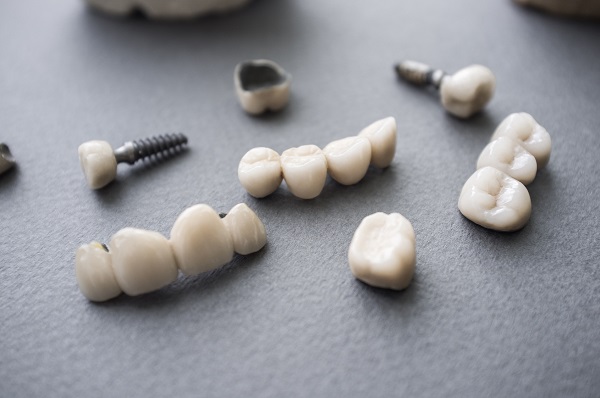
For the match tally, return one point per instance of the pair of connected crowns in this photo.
(495, 196)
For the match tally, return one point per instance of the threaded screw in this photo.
(420, 74)
(132, 151)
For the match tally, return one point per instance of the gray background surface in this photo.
(488, 314)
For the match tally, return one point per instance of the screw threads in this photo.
(419, 74)
(146, 147)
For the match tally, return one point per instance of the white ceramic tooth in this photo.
(94, 273)
(262, 85)
(247, 231)
(167, 9)
(200, 240)
(508, 156)
(98, 163)
(348, 159)
(305, 170)
(467, 91)
(382, 252)
(495, 200)
(142, 261)
(382, 136)
(533, 137)
(259, 172)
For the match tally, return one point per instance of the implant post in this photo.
(132, 151)
(420, 74)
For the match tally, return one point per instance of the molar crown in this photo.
(142, 261)
(383, 251)
(467, 91)
(305, 168)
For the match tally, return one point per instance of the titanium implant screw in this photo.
(99, 161)
(420, 74)
(132, 151)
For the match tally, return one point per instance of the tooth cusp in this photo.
(383, 251)
(259, 172)
(495, 200)
(507, 155)
(98, 163)
(529, 133)
(468, 90)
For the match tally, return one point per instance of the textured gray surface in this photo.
(488, 314)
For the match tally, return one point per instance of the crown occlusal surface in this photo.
(200, 240)
(508, 156)
(259, 171)
(247, 231)
(382, 136)
(94, 273)
(98, 163)
(348, 159)
(142, 261)
(495, 200)
(467, 91)
(383, 252)
(305, 170)
(533, 137)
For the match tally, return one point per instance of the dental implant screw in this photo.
(99, 160)
(132, 151)
(7, 161)
(420, 74)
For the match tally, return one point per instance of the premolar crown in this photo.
(305, 168)
(140, 261)
(462, 94)
(99, 161)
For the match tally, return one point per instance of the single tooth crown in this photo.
(382, 136)
(142, 261)
(508, 156)
(259, 172)
(495, 200)
(262, 85)
(98, 163)
(247, 231)
(383, 252)
(348, 159)
(200, 240)
(468, 90)
(304, 170)
(533, 137)
(94, 272)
